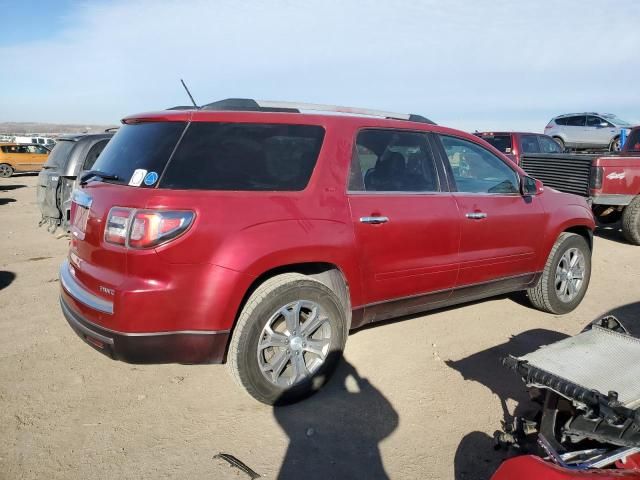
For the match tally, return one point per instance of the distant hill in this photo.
(49, 129)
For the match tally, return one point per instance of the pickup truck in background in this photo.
(611, 181)
(515, 144)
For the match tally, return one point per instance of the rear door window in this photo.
(548, 145)
(146, 146)
(501, 142)
(529, 144)
(577, 121)
(393, 161)
(244, 156)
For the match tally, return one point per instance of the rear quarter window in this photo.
(248, 157)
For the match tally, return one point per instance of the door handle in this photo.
(476, 215)
(374, 220)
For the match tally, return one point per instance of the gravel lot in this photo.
(418, 398)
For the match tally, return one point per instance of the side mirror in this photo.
(530, 186)
(603, 125)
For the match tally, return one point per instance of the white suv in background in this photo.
(587, 130)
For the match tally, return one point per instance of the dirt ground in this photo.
(414, 399)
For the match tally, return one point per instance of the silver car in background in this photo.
(588, 130)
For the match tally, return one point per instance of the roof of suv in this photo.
(584, 113)
(74, 137)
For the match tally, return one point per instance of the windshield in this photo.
(617, 121)
(60, 154)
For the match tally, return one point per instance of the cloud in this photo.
(470, 64)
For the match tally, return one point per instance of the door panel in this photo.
(499, 227)
(415, 252)
(504, 243)
(406, 223)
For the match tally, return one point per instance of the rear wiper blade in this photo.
(96, 173)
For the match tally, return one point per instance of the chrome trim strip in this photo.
(77, 291)
(612, 199)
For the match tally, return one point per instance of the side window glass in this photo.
(548, 145)
(577, 121)
(477, 170)
(529, 144)
(594, 121)
(392, 161)
(93, 154)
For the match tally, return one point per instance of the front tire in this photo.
(565, 277)
(631, 221)
(6, 170)
(288, 339)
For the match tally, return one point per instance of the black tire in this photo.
(544, 295)
(6, 170)
(560, 142)
(263, 303)
(615, 146)
(631, 221)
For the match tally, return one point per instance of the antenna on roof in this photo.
(189, 93)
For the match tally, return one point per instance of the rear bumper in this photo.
(158, 347)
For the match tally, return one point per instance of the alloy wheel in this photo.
(294, 343)
(570, 275)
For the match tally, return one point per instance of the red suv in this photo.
(251, 233)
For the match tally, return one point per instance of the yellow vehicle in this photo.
(21, 158)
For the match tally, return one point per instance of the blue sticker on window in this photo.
(151, 178)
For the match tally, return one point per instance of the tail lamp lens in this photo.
(145, 228)
(596, 177)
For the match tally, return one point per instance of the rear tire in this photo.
(286, 369)
(631, 221)
(552, 293)
(560, 142)
(6, 170)
(615, 146)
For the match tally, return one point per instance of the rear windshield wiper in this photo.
(96, 173)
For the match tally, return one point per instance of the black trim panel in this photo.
(162, 347)
(422, 303)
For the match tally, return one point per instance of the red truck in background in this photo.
(516, 144)
(611, 182)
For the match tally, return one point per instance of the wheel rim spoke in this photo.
(300, 370)
(292, 318)
(570, 274)
(313, 323)
(317, 347)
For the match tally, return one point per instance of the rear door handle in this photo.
(476, 215)
(374, 220)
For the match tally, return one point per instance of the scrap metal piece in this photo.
(234, 462)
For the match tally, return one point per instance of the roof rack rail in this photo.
(250, 105)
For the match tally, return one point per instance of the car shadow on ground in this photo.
(611, 232)
(476, 457)
(6, 278)
(24, 174)
(6, 188)
(4, 201)
(336, 433)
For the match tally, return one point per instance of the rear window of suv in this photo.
(500, 142)
(146, 146)
(60, 153)
(243, 156)
(215, 156)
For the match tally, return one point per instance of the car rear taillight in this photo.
(145, 228)
(596, 178)
(549, 126)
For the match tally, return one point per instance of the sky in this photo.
(473, 64)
